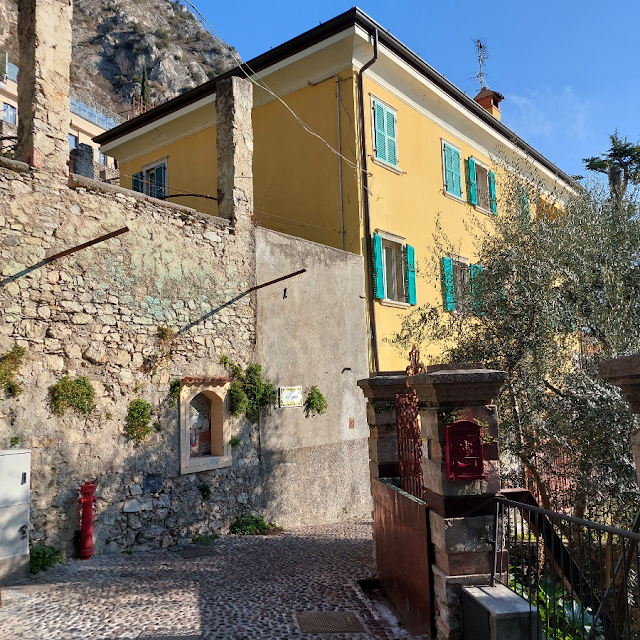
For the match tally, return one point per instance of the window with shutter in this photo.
(137, 182)
(154, 180)
(394, 269)
(452, 175)
(385, 133)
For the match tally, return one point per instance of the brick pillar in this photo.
(234, 142)
(625, 373)
(460, 515)
(44, 34)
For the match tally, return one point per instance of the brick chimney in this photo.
(490, 100)
(234, 143)
(44, 36)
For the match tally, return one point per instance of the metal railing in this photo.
(91, 111)
(581, 576)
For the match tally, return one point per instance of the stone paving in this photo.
(247, 587)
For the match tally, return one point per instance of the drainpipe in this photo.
(367, 209)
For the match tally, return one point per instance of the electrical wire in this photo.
(260, 83)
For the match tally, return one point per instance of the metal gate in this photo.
(409, 444)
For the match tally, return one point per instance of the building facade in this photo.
(359, 145)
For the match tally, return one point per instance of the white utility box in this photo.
(15, 481)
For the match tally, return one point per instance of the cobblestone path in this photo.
(247, 587)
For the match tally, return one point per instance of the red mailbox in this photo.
(463, 450)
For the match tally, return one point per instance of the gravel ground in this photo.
(246, 587)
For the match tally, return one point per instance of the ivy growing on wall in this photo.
(9, 366)
(315, 403)
(250, 393)
(139, 420)
(77, 393)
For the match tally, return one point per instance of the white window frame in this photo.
(5, 109)
(387, 165)
(204, 463)
(485, 166)
(152, 165)
(459, 198)
(391, 238)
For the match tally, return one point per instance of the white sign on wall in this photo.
(290, 396)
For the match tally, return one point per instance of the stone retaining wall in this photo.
(96, 314)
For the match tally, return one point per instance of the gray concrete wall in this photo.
(317, 467)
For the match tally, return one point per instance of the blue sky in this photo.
(569, 69)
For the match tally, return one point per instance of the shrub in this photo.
(250, 393)
(234, 441)
(205, 538)
(250, 525)
(139, 420)
(78, 393)
(9, 366)
(174, 392)
(41, 558)
(315, 403)
(205, 491)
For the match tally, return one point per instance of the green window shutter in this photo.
(380, 135)
(378, 271)
(137, 182)
(457, 182)
(474, 271)
(492, 193)
(448, 168)
(161, 181)
(448, 285)
(410, 274)
(392, 145)
(473, 183)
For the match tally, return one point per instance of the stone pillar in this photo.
(461, 512)
(625, 373)
(234, 142)
(81, 161)
(380, 392)
(44, 35)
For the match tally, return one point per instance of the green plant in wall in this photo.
(166, 341)
(174, 393)
(315, 403)
(13, 441)
(205, 491)
(205, 538)
(139, 420)
(41, 558)
(224, 361)
(250, 393)
(77, 393)
(234, 441)
(250, 525)
(10, 364)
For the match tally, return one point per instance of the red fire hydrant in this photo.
(86, 530)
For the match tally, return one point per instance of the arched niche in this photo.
(204, 425)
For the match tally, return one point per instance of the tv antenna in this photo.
(483, 55)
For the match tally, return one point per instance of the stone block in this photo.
(132, 506)
(459, 535)
(462, 564)
(435, 479)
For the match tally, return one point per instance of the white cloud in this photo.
(549, 114)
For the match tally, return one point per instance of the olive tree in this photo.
(557, 290)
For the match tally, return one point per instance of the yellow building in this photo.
(425, 153)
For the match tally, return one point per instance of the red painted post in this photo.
(86, 530)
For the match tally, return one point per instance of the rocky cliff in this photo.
(114, 40)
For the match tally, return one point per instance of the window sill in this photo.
(386, 165)
(454, 197)
(487, 212)
(385, 302)
(205, 463)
